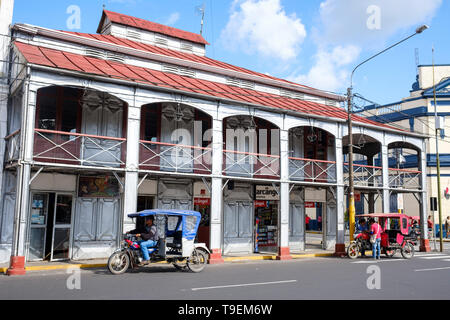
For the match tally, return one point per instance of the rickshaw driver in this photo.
(149, 235)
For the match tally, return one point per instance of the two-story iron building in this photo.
(136, 116)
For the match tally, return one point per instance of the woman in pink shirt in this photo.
(375, 229)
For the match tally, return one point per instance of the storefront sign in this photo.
(310, 204)
(202, 201)
(98, 187)
(260, 204)
(266, 193)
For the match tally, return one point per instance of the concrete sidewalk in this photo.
(101, 263)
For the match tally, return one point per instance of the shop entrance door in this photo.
(238, 231)
(297, 226)
(266, 226)
(38, 226)
(315, 215)
(62, 227)
(50, 227)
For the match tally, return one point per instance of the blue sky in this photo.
(313, 42)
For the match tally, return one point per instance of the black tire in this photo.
(390, 252)
(198, 260)
(180, 265)
(408, 251)
(118, 262)
(353, 250)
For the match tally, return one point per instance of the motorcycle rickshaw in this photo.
(177, 230)
(395, 236)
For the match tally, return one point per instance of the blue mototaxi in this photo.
(177, 230)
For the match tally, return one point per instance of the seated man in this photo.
(149, 235)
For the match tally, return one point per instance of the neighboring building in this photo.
(417, 114)
(136, 116)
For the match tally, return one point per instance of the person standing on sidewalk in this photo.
(447, 227)
(375, 230)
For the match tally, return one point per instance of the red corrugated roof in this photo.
(150, 26)
(110, 69)
(176, 54)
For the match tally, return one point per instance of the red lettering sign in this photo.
(260, 204)
(310, 204)
(202, 201)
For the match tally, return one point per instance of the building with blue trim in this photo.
(416, 113)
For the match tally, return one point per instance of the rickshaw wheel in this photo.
(353, 250)
(197, 261)
(180, 265)
(390, 253)
(118, 263)
(408, 251)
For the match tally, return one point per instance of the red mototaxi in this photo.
(396, 234)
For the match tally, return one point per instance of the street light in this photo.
(351, 208)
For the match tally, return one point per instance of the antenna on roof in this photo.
(201, 10)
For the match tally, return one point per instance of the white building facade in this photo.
(137, 117)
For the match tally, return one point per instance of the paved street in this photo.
(426, 276)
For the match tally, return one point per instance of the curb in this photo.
(226, 259)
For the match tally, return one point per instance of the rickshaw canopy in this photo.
(190, 219)
(403, 219)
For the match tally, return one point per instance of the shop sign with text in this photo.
(266, 193)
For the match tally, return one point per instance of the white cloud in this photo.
(263, 27)
(329, 71)
(173, 18)
(366, 21)
(347, 26)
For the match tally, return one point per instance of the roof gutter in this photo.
(213, 98)
(60, 35)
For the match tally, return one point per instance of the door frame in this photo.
(70, 226)
(29, 227)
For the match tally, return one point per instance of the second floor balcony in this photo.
(75, 127)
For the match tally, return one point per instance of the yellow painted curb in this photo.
(228, 259)
(58, 267)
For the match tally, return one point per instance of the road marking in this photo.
(244, 285)
(428, 254)
(376, 261)
(433, 269)
(446, 260)
(436, 257)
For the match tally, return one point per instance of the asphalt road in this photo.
(426, 276)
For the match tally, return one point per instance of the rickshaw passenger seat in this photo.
(393, 235)
(177, 237)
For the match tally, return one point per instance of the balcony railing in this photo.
(404, 178)
(364, 175)
(12, 146)
(248, 164)
(170, 157)
(78, 148)
(312, 170)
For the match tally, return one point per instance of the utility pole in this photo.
(438, 169)
(351, 192)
